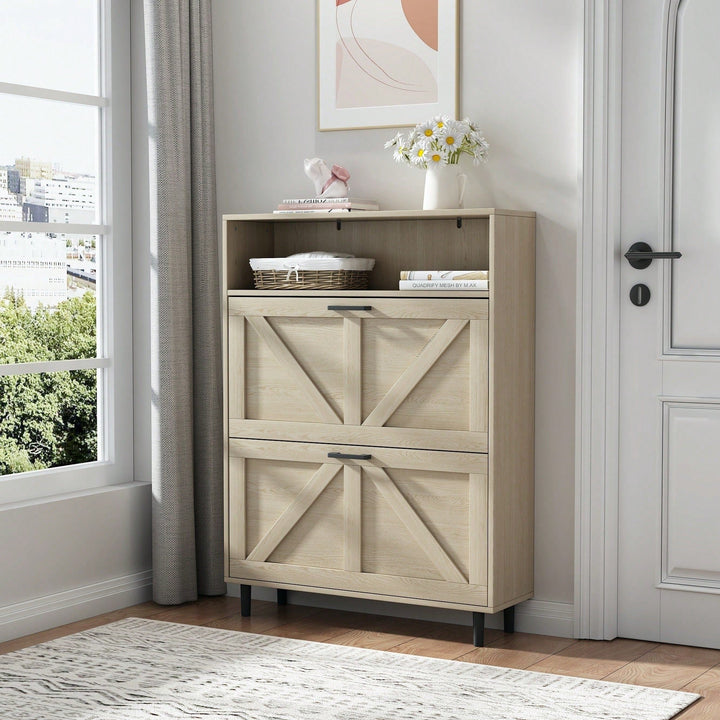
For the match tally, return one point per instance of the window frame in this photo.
(114, 311)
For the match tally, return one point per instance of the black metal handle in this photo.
(365, 308)
(640, 255)
(346, 456)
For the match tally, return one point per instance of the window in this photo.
(65, 247)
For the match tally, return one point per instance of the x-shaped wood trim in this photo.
(415, 372)
(417, 528)
(292, 514)
(278, 348)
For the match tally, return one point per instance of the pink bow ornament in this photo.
(337, 173)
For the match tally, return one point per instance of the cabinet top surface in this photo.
(376, 215)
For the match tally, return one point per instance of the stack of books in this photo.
(325, 205)
(443, 280)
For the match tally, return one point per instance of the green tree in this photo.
(68, 332)
(12, 458)
(47, 419)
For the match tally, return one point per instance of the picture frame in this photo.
(385, 63)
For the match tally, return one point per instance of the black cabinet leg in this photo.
(509, 619)
(281, 597)
(245, 600)
(478, 629)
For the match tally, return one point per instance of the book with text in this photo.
(319, 211)
(321, 203)
(443, 285)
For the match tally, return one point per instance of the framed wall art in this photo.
(385, 63)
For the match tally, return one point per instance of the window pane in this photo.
(49, 160)
(50, 44)
(48, 420)
(48, 287)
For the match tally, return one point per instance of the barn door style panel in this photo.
(384, 363)
(374, 519)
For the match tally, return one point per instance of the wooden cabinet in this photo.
(379, 443)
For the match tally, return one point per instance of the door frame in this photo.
(598, 326)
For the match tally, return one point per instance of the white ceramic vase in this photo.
(444, 187)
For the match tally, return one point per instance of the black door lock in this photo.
(640, 294)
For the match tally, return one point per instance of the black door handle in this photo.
(640, 255)
(346, 456)
(340, 308)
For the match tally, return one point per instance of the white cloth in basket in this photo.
(316, 260)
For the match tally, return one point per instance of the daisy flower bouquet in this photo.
(440, 141)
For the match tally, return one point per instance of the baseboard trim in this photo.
(541, 617)
(50, 611)
(545, 617)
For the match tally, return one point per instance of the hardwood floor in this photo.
(673, 667)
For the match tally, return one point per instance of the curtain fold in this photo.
(187, 462)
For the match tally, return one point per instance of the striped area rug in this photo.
(138, 669)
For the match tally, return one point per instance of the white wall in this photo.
(520, 79)
(71, 557)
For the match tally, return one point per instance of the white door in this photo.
(669, 503)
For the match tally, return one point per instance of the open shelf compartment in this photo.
(419, 240)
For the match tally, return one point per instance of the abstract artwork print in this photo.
(385, 62)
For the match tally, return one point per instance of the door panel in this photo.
(692, 493)
(399, 513)
(316, 539)
(696, 178)
(439, 500)
(440, 399)
(275, 389)
(412, 365)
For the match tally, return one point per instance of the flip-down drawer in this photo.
(391, 371)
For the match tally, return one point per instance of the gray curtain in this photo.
(185, 304)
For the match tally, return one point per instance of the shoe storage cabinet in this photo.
(379, 443)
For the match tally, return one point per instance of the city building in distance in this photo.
(47, 268)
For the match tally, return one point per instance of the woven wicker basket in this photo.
(311, 279)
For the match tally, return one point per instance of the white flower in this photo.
(417, 153)
(480, 151)
(400, 154)
(425, 130)
(436, 156)
(439, 122)
(452, 136)
(396, 140)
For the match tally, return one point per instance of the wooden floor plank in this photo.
(517, 650)
(201, 611)
(383, 632)
(370, 639)
(708, 708)
(445, 641)
(263, 619)
(667, 666)
(593, 658)
(319, 627)
(708, 682)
